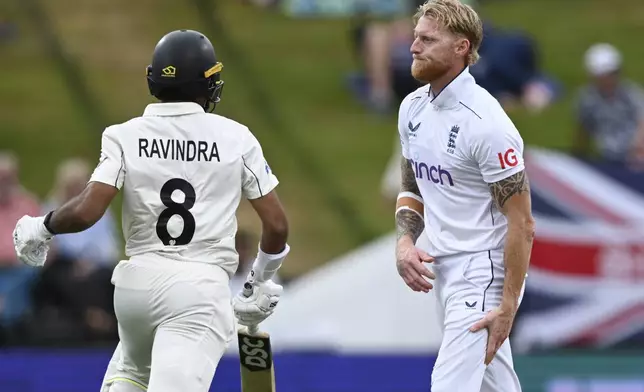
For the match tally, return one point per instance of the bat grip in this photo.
(253, 329)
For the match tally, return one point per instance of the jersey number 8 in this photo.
(181, 209)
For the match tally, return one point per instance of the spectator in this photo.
(381, 26)
(610, 109)
(74, 293)
(15, 279)
(509, 70)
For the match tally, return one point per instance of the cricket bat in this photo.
(256, 360)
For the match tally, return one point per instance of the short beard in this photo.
(427, 71)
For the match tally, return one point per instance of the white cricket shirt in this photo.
(183, 173)
(459, 142)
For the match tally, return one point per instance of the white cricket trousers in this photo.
(467, 287)
(175, 320)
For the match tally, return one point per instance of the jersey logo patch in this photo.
(508, 159)
(268, 168)
(413, 129)
(435, 174)
(451, 143)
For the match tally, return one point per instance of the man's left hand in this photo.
(498, 322)
(31, 240)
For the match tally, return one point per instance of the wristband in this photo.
(266, 264)
(46, 222)
(410, 201)
(405, 208)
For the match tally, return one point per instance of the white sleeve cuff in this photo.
(502, 175)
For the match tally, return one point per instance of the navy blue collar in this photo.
(451, 94)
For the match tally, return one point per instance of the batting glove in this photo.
(31, 240)
(256, 302)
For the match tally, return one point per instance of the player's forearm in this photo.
(274, 237)
(518, 246)
(73, 217)
(409, 224)
(409, 207)
(512, 196)
(67, 219)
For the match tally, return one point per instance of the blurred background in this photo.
(319, 83)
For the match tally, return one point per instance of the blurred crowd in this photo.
(69, 300)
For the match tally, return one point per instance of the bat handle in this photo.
(253, 329)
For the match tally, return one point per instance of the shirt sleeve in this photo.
(257, 178)
(499, 152)
(111, 166)
(403, 127)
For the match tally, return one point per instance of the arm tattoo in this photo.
(408, 222)
(506, 188)
(409, 183)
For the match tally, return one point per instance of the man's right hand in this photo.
(409, 262)
(256, 302)
(31, 240)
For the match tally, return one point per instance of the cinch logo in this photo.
(508, 159)
(435, 174)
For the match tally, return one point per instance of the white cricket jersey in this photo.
(459, 142)
(183, 173)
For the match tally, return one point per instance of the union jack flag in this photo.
(586, 278)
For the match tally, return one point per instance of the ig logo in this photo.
(508, 159)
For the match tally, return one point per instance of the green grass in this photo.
(38, 118)
(301, 63)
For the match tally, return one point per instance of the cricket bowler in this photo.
(463, 183)
(183, 171)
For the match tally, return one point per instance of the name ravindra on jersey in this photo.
(178, 150)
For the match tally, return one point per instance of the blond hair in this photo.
(458, 18)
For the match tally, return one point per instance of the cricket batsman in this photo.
(464, 184)
(183, 171)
